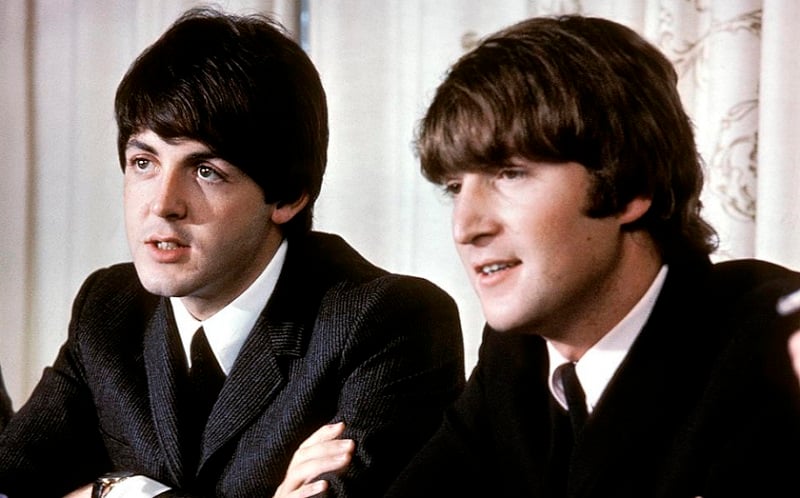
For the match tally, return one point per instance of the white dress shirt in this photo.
(228, 328)
(598, 364)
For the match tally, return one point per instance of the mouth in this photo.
(492, 268)
(166, 244)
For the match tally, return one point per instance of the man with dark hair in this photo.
(201, 367)
(617, 360)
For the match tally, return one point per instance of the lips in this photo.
(166, 242)
(168, 250)
(492, 268)
(167, 245)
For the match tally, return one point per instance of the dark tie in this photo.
(564, 430)
(205, 375)
(576, 399)
(205, 381)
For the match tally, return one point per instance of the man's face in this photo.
(538, 263)
(198, 227)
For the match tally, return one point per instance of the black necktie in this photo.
(576, 399)
(205, 375)
(205, 381)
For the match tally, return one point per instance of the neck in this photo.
(604, 306)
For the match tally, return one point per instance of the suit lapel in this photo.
(634, 421)
(280, 331)
(253, 382)
(163, 361)
(245, 395)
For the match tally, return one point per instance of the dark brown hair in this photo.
(575, 89)
(242, 87)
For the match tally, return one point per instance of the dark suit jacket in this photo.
(5, 404)
(340, 340)
(705, 404)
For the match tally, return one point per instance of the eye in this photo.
(512, 173)
(451, 188)
(208, 173)
(140, 163)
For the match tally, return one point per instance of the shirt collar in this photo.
(600, 362)
(228, 328)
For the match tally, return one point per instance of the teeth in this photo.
(167, 246)
(489, 269)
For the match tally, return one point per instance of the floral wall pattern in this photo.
(716, 49)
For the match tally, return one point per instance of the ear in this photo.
(284, 212)
(634, 210)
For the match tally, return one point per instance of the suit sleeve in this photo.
(401, 368)
(447, 464)
(55, 430)
(452, 462)
(473, 451)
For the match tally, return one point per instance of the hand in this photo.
(84, 492)
(318, 454)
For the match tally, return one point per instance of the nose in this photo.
(169, 197)
(473, 222)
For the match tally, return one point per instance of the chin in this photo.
(160, 286)
(500, 317)
(501, 326)
(159, 290)
(508, 325)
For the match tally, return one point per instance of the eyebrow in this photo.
(138, 144)
(206, 155)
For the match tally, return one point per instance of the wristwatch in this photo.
(104, 483)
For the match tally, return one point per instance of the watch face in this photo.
(104, 483)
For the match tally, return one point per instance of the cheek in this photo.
(540, 223)
(244, 221)
(462, 251)
(249, 207)
(134, 200)
(131, 209)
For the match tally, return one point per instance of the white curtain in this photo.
(380, 61)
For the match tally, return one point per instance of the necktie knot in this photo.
(205, 375)
(576, 398)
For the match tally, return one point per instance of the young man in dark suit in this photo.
(575, 184)
(198, 369)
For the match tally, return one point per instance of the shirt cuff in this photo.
(137, 487)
